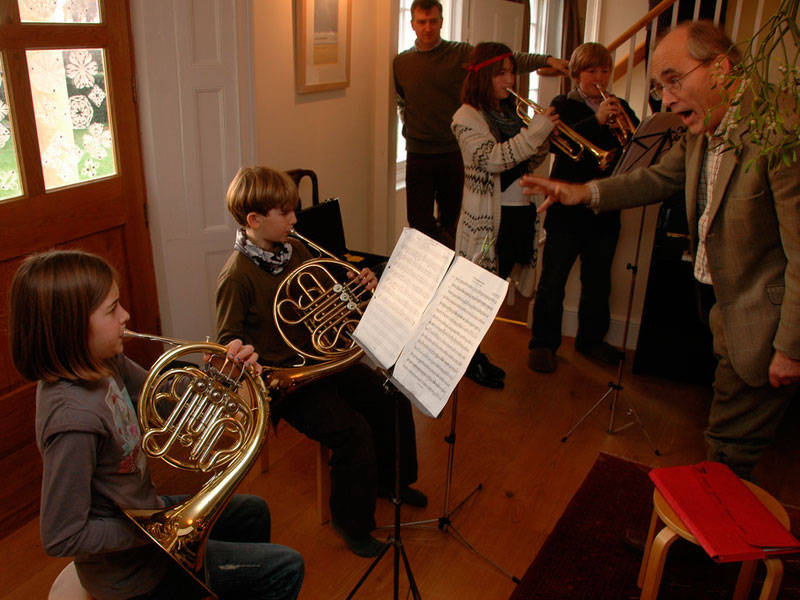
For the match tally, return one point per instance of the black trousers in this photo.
(515, 243)
(435, 178)
(350, 413)
(596, 248)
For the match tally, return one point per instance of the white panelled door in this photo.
(496, 21)
(196, 119)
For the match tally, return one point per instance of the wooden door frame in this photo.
(88, 211)
(107, 216)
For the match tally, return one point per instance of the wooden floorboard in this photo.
(509, 442)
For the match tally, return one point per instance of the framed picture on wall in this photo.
(322, 44)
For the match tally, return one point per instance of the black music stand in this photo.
(444, 522)
(655, 135)
(394, 540)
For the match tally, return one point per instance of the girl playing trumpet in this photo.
(497, 225)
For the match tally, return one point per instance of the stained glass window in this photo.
(9, 167)
(58, 11)
(72, 121)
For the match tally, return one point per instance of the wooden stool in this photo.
(323, 478)
(67, 586)
(656, 547)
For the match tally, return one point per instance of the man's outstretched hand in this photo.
(569, 194)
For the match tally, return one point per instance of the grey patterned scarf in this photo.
(271, 262)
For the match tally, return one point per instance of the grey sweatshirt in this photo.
(89, 438)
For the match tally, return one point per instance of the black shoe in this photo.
(602, 352)
(479, 373)
(366, 546)
(408, 495)
(542, 360)
(493, 371)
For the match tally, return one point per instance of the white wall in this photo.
(615, 18)
(340, 134)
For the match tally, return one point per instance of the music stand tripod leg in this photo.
(617, 387)
(587, 413)
(394, 540)
(631, 411)
(444, 522)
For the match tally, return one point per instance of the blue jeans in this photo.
(240, 562)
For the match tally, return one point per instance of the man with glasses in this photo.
(744, 226)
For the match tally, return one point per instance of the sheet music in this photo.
(416, 267)
(436, 357)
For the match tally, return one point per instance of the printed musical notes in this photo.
(427, 317)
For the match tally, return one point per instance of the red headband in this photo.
(494, 59)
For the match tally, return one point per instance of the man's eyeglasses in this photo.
(673, 84)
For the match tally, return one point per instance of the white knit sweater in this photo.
(484, 159)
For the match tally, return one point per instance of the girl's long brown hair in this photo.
(52, 296)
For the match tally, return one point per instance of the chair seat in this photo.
(67, 586)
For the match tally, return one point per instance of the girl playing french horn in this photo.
(66, 330)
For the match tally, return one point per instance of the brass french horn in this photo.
(564, 138)
(318, 298)
(210, 418)
(213, 418)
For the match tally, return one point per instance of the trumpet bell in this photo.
(621, 125)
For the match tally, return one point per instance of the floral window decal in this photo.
(59, 11)
(9, 167)
(72, 121)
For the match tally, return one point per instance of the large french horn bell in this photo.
(210, 418)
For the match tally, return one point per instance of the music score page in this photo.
(409, 281)
(431, 315)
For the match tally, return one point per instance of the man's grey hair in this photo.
(706, 41)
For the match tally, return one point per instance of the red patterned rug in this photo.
(586, 556)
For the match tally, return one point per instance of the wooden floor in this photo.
(509, 442)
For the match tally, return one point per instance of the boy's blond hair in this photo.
(259, 190)
(588, 56)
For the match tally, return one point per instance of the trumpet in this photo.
(621, 125)
(565, 139)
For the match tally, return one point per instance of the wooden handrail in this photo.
(641, 23)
